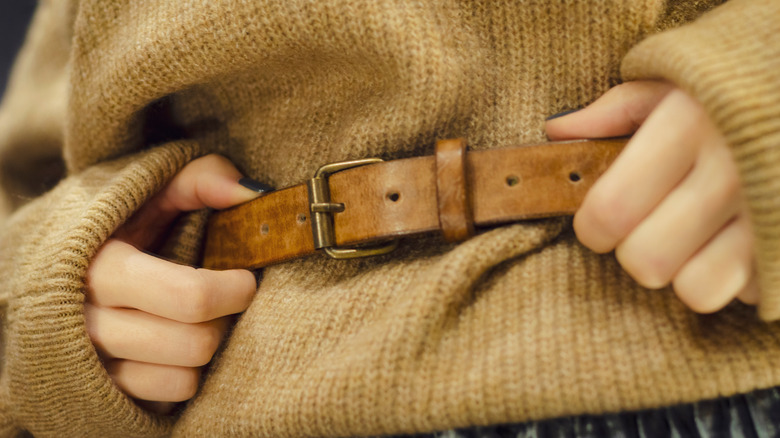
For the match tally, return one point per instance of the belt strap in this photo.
(374, 201)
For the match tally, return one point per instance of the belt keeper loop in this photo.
(454, 206)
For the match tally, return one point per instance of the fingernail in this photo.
(561, 114)
(255, 185)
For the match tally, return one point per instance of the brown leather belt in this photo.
(348, 207)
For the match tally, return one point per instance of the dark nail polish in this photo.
(255, 185)
(561, 114)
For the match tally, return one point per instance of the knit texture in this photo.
(519, 323)
(56, 383)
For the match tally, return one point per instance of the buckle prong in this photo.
(327, 207)
(322, 211)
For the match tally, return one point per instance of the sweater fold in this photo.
(519, 323)
(54, 382)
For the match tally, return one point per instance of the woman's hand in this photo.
(671, 204)
(156, 323)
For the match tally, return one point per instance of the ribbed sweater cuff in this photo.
(53, 379)
(730, 61)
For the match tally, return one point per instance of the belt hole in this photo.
(301, 218)
(575, 177)
(264, 229)
(512, 180)
(393, 196)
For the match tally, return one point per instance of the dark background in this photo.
(14, 17)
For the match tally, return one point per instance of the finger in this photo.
(684, 221)
(620, 111)
(139, 336)
(720, 271)
(147, 381)
(689, 216)
(210, 181)
(122, 276)
(656, 159)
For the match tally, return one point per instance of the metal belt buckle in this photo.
(322, 211)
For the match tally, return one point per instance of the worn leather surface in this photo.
(399, 198)
(455, 217)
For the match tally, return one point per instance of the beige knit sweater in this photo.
(518, 323)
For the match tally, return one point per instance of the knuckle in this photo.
(647, 269)
(212, 160)
(243, 288)
(202, 343)
(211, 163)
(605, 217)
(183, 384)
(707, 289)
(686, 287)
(696, 296)
(194, 297)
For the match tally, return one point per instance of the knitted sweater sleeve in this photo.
(729, 60)
(52, 382)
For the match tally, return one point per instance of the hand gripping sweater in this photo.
(518, 323)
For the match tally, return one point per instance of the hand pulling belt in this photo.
(353, 208)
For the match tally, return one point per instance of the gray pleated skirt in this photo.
(756, 414)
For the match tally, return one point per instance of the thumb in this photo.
(620, 111)
(209, 181)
